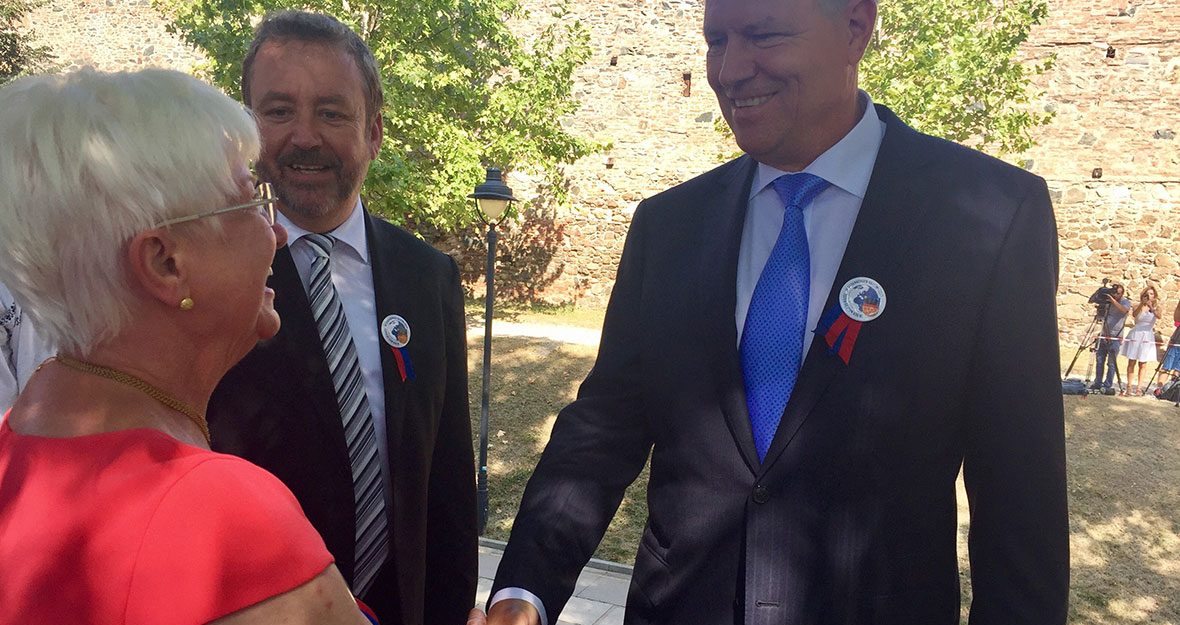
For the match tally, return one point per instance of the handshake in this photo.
(506, 612)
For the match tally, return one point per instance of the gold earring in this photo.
(186, 303)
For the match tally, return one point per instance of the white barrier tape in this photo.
(1072, 336)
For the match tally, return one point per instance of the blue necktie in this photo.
(772, 339)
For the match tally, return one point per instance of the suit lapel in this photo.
(717, 292)
(886, 226)
(298, 343)
(391, 278)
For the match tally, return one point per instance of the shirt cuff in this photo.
(513, 592)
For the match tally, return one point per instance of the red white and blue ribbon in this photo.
(367, 611)
(404, 366)
(396, 332)
(839, 332)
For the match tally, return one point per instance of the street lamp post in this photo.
(492, 197)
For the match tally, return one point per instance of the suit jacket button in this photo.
(761, 494)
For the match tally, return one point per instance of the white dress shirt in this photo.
(352, 275)
(828, 220)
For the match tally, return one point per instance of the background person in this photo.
(371, 432)
(797, 477)
(1109, 341)
(1171, 363)
(21, 349)
(131, 227)
(1139, 347)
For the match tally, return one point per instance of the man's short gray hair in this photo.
(317, 28)
(832, 7)
(89, 159)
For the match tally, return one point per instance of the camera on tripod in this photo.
(1092, 341)
(1100, 299)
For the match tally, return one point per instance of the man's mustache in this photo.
(315, 158)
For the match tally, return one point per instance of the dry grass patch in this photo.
(533, 379)
(1124, 489)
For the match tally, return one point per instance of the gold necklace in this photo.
(136, 383)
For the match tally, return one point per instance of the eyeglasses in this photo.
(264, 200)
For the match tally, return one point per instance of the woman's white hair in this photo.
(89, 159)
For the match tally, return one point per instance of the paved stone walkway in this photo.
(598, 598)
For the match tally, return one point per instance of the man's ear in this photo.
(861, 17)
(157, 264)
(376, 133)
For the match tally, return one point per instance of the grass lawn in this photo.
(565, 315)
(1123, 471)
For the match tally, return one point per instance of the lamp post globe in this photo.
(492, 197)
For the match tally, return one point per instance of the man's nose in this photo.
(735, 64)
(304, 133)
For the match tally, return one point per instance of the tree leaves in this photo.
(949, 68)
(19, 56)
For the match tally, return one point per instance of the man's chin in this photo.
(309, 204)
(269, 324)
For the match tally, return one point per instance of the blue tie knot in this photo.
(797, 190)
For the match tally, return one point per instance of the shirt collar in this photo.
(848, 164)
(350, 233)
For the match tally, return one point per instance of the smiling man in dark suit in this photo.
(810, 341)
(359, 404)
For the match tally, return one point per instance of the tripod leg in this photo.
(1119, 376)
(1154, 373)
(1086, 342)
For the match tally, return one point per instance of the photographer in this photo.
(1116, 307)
(1140, 344)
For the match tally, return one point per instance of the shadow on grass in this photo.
(1123, 468)
(1124, 472)
(532, 380)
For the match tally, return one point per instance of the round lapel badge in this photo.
(862, 299)
(396, 331)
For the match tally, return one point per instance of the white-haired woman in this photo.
(131, 230)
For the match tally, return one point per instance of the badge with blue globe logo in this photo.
(396, 331)
(862, 299)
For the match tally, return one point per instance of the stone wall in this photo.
(643, 92)
(1111, 156)
(110, 35)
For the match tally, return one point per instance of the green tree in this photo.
(461, 92)
(950, 69)
(18, 54)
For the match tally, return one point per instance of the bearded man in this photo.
(359, 404)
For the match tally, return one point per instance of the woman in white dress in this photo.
(1139, 346)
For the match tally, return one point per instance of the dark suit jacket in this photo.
(277, 408)
(851, 519)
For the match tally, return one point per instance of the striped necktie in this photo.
(772, 339)
(372, 529)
